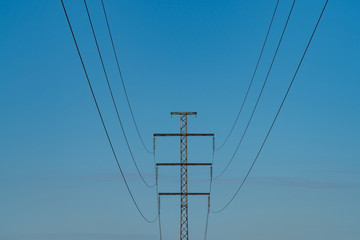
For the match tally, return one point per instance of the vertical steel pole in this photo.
(184, 234)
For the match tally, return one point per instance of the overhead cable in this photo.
(157, 189)
(260, 94)
(276, 116)
(103, 123)
(252, 79)
(122, 79)
(209, 197)
(113, 100)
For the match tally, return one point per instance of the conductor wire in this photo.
(103, 123)
(252, 79)
(113, 100)
(260, 94)
(276, 116)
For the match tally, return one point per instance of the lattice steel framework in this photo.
(184, 220)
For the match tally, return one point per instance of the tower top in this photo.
(183, 113)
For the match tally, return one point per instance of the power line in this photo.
(252, 79)
(157, 189)
(159, 218)
(113, 100)
(209, 198)
(122, 79)
(207, 219)
(260, 94)
(102, 120)
(277, 114)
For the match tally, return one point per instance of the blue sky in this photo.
(58, 178)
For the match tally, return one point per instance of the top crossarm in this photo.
(183, 113)
(186, 134)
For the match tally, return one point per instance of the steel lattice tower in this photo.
(184, 224)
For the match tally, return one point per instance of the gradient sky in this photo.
(58, 178)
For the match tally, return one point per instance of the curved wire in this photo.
(260, 94)
(113, 100)
(122, 80)
(277, 114)
(252, 79)
(102, 120)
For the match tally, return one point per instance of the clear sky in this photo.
(58, 178)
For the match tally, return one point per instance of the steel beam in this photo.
(170, 194)
(183, 134)
(183, 113)
(181, 164)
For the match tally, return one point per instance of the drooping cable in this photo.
(102, 120)
(122, 79)
(113, 100)
(210, 186)
(157, 189)
(277, 114)
(207, 219)
(260, 94)
(252, 79)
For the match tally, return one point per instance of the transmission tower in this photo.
(184, 219)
